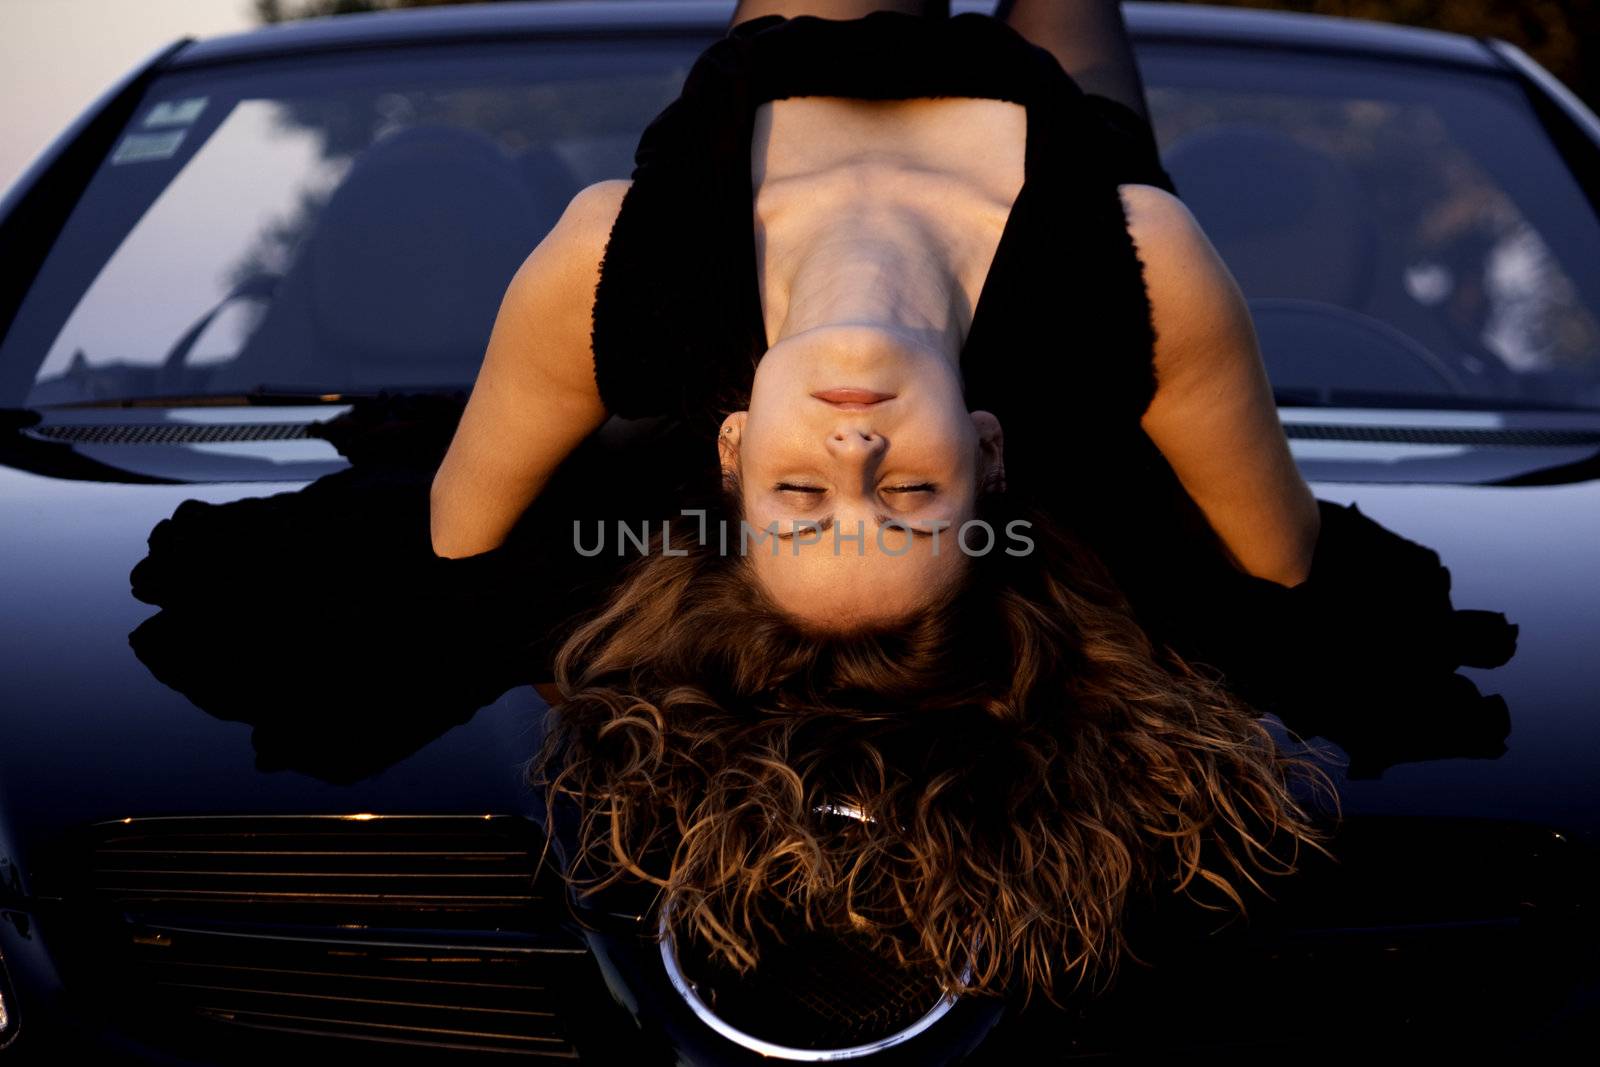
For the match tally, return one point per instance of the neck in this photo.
(876, 270)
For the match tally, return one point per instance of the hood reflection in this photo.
(322, 618)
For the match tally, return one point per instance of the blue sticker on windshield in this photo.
(147, 147)
(175, 112)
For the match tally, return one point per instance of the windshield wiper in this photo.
(1373, 398)
(263, 396)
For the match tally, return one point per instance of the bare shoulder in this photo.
(553, 291)
(593, 210)
(578, 240)
(1196, 307)
(541, 339)
(1161, 224)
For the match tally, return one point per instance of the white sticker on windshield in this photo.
(175, 112)
(146, 147)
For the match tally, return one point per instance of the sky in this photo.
(57, 56)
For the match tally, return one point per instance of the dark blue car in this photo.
(220, 843)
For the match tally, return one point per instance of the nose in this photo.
(856, 443)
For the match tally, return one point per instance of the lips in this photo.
(853, 397)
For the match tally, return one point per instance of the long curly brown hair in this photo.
(1020, 759)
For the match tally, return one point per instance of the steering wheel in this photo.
(1312, 345)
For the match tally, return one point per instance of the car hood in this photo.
(1527, 551)
(91, 732)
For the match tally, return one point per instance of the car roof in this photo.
(1276, 30)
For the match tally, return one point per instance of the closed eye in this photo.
(919, 487)
(790, 487)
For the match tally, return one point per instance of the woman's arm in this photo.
(1213, 416)
(535, 399)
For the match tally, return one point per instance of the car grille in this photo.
(171, 433)
(436, 932)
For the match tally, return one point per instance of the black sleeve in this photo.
(1130, 144)
(676, 318)
(323, 618)
(1364, 652)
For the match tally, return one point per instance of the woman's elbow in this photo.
(1292, 565)
(1280, 549)
(439, 531)
(447, 534)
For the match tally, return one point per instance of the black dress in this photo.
(678, 325)
(1060, 349)
(1060, 346)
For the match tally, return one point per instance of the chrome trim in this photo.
(346, 816)
(849, 811)
(356, 940)
(685, 989)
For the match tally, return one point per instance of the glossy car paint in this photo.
(90, 734)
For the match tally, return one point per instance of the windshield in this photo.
(319, 226)
(1402, 232)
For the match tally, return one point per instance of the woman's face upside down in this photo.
(858, 446)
